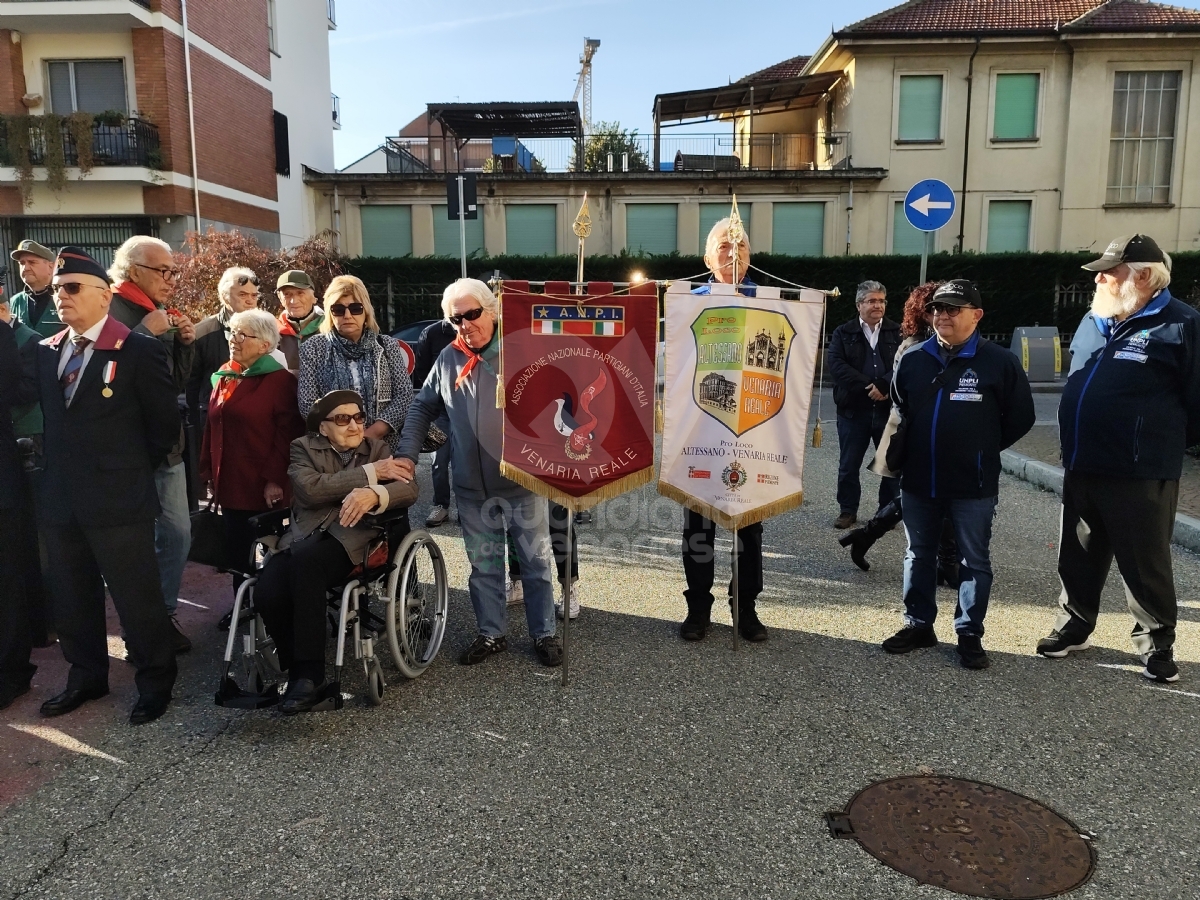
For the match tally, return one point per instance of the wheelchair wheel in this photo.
(418, 596)
(375, 683)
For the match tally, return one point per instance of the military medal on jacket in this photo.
(110, 372)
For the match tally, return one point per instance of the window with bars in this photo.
(1142, 145)
(86, 85)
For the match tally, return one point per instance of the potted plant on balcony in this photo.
(80, 125)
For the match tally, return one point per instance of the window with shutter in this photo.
(1008, 226)
(920, 113)
(906, 240)
(798, 229)
(712, 213)
(87, 85)
(652, 227)
(386, 230)
(1014, 117)
(531, 229)
(445, 234)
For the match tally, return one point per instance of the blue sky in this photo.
(389, 59)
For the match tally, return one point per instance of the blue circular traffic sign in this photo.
(929, 205)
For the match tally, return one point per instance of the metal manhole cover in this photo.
(967, 837)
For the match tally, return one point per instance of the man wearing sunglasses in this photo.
(962, 400)
(144, 277)
(462, 385)
(301, 316)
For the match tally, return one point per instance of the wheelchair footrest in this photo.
(234, 697)
(331, 698)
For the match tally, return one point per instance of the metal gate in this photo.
(98, 235)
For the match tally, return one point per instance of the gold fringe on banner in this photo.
(768, 511)
(576, 504)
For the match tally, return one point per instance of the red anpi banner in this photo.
(578, 376)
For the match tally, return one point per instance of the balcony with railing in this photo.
(695, 153)
(133, 142)
(75, 16)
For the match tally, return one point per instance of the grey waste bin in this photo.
(1039, 351)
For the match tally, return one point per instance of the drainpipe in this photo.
(962, 208)
(849, 215)
(337, 219)
(187, 69)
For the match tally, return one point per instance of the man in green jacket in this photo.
(34, 306)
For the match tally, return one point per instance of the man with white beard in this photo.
(1126, 416)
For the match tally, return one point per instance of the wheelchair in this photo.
(402, 592)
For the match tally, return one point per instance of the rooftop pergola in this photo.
(465, 122)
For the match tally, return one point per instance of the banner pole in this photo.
(734, 605)
(462, 226)
(568, 590)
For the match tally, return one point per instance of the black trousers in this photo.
(16, 641)
(82, 561)
(290, 596)
(34, 559)
(558, 541)
(238, 535)
(1130, 519)
(699, 561)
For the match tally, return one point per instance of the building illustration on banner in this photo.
(762, 352)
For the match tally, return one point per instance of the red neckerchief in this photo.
(473, 358)
(135, 295)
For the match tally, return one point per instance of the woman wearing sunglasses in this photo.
(338, 476)
(350, 354)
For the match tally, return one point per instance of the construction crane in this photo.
(584, 84)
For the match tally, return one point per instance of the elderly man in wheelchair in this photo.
(349, 512)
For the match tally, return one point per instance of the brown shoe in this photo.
(845, 520)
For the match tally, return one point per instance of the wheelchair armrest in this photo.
(387, 517)
(274, 522)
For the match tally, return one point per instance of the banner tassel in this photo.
(658, 416)
(816, 439)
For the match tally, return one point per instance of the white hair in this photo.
(229, 278)
(132, 252)
(1160, 273)
(257, 323)
(720, 230)
(468, 287)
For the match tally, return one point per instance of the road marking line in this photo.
(190, 603)
(1172, 691)
(1124, 667)
(64, 740)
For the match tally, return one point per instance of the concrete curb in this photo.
(1050, 478)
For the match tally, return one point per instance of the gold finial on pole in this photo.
(583, 230)
(736, 234)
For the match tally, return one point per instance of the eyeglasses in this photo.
(168, 273)
(239, 336)
(341, 420)
(469, 316)
(243, 279)
(354, 309)
(935, 309)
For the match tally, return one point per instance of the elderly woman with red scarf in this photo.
(252, 420)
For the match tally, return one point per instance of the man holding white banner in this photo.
(739, 371)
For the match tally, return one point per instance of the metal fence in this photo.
(132, 143)
(99, 235)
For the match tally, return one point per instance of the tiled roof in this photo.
(789, 68)
(972, 17)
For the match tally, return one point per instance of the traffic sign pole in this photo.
(925, 255)
(928, 206)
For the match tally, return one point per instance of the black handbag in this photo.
(208, 538)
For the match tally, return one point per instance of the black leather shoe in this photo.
(971, 653)
(750, 627)
(302, 695)
(149, 708)
(10, 692)
(910, 638)
(70, 700)
(696, 626)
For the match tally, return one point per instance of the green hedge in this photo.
(1018, 288)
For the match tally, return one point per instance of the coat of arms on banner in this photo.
(578, 376)
(741, 365)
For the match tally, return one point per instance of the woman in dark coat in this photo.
(252, 420)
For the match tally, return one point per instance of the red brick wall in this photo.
(12, 75)
(172, 200)
(237, 27)
(235, 136)
(10, 202)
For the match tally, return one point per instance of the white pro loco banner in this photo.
(739, 376)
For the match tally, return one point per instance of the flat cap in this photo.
(32, 247)
(294, 278)
(1134, 248)
(327, 404)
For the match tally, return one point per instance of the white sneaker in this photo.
(514, 594)
(558, 604)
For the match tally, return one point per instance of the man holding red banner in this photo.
(463, 386)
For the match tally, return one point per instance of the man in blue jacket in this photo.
(963, 400)
(1125, 418)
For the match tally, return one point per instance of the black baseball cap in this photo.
(1134, 248)
(958, 292)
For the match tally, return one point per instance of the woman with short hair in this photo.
(338, 476)
(252, 420)
(350, 354)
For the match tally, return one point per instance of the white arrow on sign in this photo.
(923, 205)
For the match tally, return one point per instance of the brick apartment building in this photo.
(261, 107)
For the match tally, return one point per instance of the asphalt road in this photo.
(665, 770)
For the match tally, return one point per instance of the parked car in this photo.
(410, 332)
